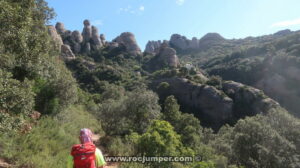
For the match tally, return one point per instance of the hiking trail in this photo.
(4, 164)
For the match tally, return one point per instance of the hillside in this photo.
(269, 63)
(55, 81)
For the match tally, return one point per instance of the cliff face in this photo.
(215, 107)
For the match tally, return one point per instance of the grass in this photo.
(49, 143)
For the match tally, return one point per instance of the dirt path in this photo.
(3, 164)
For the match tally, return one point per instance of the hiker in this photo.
(86, 155)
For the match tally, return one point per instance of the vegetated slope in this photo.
(269, 63)
(109, 86)
(214, 102)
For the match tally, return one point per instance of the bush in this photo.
(134, 112)
(161, 140)
(261, 142)
(16, 97)
(16, 102)
(215, 81)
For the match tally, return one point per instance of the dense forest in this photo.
(53, 82)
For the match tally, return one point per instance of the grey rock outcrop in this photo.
(165, 57)
(210, 39)
(282, 88)
(168, 56)
(194, 43)
(248, 101)
(76, 47)
(103, 39)
(181, 42)
(66, 53)
(178, 41)
(215, 107)
(77, 39)
(87, 31)
(87, 47)
(90, 40)
(96, 41)
(76, 36)
(128, 40)
(55, 36)
(113, 45)
(152, 47)
(60, 28)
(206, 102)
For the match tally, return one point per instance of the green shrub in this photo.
(132, 112)
(16, 97)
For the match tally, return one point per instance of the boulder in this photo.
(168, 56)
(128, 40)
(66, 53)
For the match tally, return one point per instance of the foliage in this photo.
(16, 96)
(16, 101)
(171, 110)
(49, 143)
(215, 81)
(259, 141)
(134, 111)
(24, 36)
(161, 140)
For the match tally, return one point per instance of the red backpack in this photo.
(84, 155)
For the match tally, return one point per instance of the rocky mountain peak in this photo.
(128, 40)
(212, 37)
(90, 39)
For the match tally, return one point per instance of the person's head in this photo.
(85, 135)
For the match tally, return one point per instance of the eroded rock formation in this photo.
(128, 40)
(66, 53)
(55, 36)
(152, 47)
(90, 40)
(213, 106)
